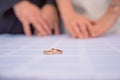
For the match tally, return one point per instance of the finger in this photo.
(78, 31)
(38, 34)
(90, 29)
(72, 32)
(97, 33)
(26, 27)
(38, 26)
(83, 29)
(45, 17)
(45, 24)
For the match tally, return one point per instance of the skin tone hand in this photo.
(105, 23)
(29, 13)
(75, 23)
(50, 15)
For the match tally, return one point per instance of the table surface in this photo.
(91, 59)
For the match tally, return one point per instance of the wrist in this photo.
(68, 16)
(65, 8)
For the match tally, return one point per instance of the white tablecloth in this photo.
(91, 59)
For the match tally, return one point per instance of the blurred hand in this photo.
(99, 28)
(28, 13)
(49, 13)
(106, 22)
(77, 25)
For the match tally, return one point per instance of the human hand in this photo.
(77, 25)
(99, 28)
(49, 13)
(106, 22)
(28, 13)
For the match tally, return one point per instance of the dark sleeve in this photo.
(51, 2)
(6, 5)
